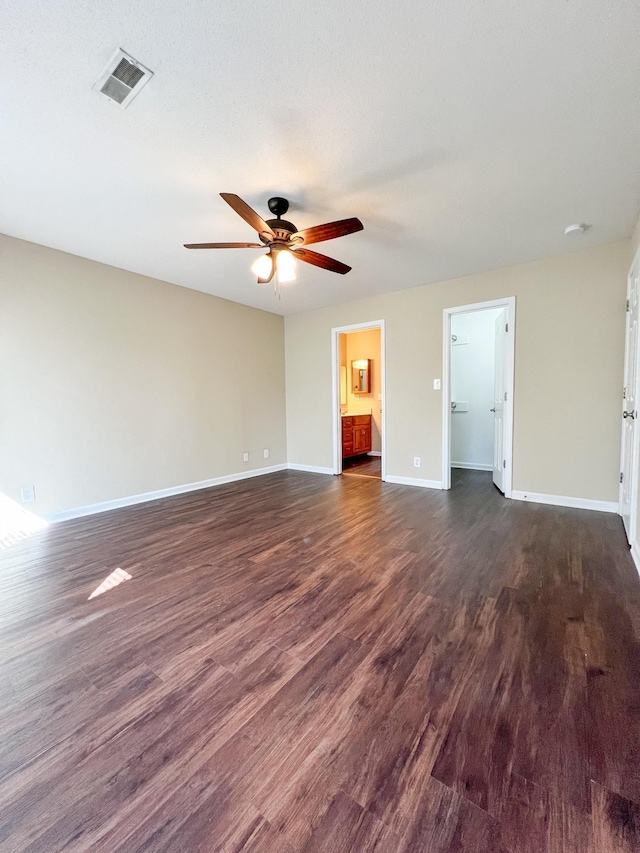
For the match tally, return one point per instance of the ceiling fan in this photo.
(284, 241)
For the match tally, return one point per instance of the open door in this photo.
(628, 462)
(504, 312)
(499, 390)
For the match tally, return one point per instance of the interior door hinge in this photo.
(504, 463)
(506, 327)
(627, 304)
(624, 393)
(620, 476)
(505, 396)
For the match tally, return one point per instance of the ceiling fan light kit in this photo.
(284, 241)
(263, 268)
(286, 266)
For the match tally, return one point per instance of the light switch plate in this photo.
(436, 384)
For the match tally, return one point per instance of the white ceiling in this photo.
(465, 134)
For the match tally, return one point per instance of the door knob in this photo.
(628, 415)
(492, 410)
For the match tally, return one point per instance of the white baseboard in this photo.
(413, 481)
(310, 469)
(374, 453)
(635, 554)
(105, 506)
(472, 466)
(561, 500)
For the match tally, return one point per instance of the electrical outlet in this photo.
(266, 453)
(416, 461)
(245, 457)
(28, 494)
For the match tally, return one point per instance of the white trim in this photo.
(508, 302)
(414, 481)
(635, 554)
(335, 390)
(472, 466)
(562, 500)
(106, 506)
(310, 469)
(374, 453)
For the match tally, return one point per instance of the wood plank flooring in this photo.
(312, 664)
(363, 466)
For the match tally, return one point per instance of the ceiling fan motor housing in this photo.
(281, 228)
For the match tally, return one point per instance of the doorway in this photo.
(358, 400)
(477, 400)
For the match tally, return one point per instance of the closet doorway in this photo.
(358, 400)
(478, 390)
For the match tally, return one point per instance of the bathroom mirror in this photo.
(361, 376)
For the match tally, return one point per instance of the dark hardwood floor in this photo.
(363, 466)
(302, 663)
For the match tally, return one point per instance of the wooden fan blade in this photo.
(248, 214)
(328, 231)
(319, 260)
(224, 246)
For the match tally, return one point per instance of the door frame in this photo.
(634, 269)
(335, 387)
(508, 302)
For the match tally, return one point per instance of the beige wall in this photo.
(635, 238)
(113, 384)
(569, 354)
(366, 344)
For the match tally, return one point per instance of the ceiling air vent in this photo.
(122, 79)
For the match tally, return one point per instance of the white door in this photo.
(499, 390)
(628, 465)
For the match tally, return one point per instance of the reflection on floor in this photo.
(363, 466)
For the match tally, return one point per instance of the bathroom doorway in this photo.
(358, 379)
